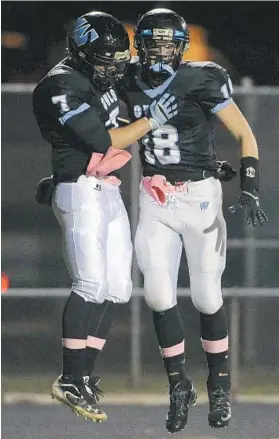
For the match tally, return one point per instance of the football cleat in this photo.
(219, 407)
(81, 398)
(182, 397)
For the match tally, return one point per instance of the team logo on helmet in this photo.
(165, 34)
(82, 30)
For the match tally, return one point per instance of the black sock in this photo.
(176, 369)
(214, 327)
(170, 332)
(100, 324)
(75, 318)
(73, 364)
(218, 366)
(91, 356)
(75, 326)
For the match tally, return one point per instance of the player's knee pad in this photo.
(91, 291)
(120, 293)
(206, 292)
(159, 292)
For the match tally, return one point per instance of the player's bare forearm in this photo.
(123, 137)
(236, 123)
(249, 146)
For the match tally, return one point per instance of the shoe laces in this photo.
(219, 399)
(177, 399)
(91, 387)
(171, 200)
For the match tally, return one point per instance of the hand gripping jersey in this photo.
(186, 142)
(74, 118)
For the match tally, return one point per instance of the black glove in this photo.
(254, 213)
(225, 171)
(44, 191)
(249, 198)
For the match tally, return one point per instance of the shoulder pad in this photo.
(209, 82)
(60, 69)
(206, 65)
(64, 78)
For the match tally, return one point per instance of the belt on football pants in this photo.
(192, 176)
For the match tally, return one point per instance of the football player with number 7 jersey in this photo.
(181, 200)
(76, 107)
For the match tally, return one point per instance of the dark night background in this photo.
(245, 32)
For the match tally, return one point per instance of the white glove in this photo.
(163, 110)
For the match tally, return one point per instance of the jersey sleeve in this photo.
(215, 89)
(75, 115)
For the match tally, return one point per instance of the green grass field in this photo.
(252, 382)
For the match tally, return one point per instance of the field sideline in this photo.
(148, 399)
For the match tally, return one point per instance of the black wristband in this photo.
(249, 174)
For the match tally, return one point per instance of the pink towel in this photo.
(101, 165)
(158, 187)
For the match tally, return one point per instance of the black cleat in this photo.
(219, 407)
(81, 398)
(182, 397)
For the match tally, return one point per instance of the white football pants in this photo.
(192, 218)
(96, 239)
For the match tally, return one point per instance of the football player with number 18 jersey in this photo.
(181, 200)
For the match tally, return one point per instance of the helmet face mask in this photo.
(106, 71)
(161, 38)
(162, 52)
(99, 44)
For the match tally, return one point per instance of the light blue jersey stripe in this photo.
(72, 113)
(152, 93)
(221, 106)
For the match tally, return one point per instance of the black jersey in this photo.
(74, 118)
(186, 142)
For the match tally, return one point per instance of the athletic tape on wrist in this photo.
(249, 174)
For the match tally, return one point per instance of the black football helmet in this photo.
(99, 45)
(161, 37)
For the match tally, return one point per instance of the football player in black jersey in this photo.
(181, 200)
(76, 107)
